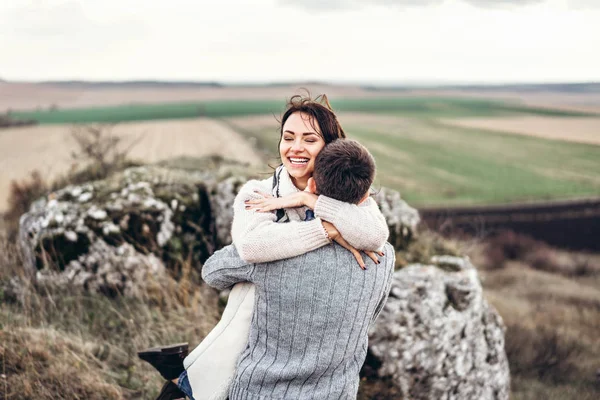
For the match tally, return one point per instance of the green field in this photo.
(428, 162)
(417, 107)
(434, 164)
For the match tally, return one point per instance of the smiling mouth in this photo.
(298, 160)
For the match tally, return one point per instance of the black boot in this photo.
(168, 360)
(170, 391)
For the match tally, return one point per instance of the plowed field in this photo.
(48, 148)
(581, 130)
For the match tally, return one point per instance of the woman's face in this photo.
(300, 143)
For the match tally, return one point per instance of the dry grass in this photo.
(533, 389)
(427, 245)
(552, 329)
(21, 195)
(43, 363)
(580, 130)
(48, 148)
(507, 246)
(70, 344)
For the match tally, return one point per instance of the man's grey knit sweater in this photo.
(308, 337)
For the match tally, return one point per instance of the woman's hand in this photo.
(335, 235)
(270, 203)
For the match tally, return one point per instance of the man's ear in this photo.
(365, 197)
(311, 186)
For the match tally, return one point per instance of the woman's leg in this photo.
(184, 384)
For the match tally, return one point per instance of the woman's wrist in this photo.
(326, 233)
(330, 231)
(309, 200)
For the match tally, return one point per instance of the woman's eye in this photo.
(311, 141)
(287, 139)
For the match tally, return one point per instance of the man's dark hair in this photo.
(344, 170)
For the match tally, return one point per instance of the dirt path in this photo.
(580, 130)
(48, 148)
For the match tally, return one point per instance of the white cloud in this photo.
(503, 3)
(266, 41)
(330, 5)
(584, 4)
(45, 19)
(402, 4)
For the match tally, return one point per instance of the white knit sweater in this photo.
(258, 238)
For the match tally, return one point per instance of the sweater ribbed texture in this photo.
(308, 337)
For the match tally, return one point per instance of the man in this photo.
(308, 336)
(309, 316)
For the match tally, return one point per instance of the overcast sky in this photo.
(386, 41)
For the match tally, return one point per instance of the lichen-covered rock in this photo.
(113, 235)
(222, 196)
(437, 337)
(111, 270)
(401, 218)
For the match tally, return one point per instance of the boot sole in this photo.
(166, 350)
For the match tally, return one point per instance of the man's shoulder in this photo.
(387, 247)
(390, 254)
(228, 252)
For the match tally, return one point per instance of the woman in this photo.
(306, 127)
(274, 219)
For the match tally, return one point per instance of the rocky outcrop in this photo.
(401, 218)
(438, 338)
(120, 234)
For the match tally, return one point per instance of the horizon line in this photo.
(415, 84)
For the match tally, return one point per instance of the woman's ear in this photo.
(311, 186)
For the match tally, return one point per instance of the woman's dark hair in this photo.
(322, 117)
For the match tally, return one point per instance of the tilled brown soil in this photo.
(48, 148)
(581, 130)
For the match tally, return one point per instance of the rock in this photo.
(111, 236)
(401, 218)
(438, 338)
(111, 270)
(221, 201)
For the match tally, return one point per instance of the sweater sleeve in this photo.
(362, 226)
(225, 268)
(258, 238)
